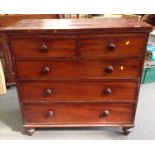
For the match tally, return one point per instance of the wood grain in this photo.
(79, 25)
(77, 91)
(125, 45)
(78, 114)
(60, 69)
(29, 46)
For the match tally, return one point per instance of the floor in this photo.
(11, 124)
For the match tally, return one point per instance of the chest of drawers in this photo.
(79, 72)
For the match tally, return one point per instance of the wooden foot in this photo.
(127, 130)
(9, 85)
(30, 131)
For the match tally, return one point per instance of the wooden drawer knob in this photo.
(48, 92)
(50, 113)
(105, 113)
(46, 70)
(111, 46)
(109, 69)
(107, 91)
(43, 47)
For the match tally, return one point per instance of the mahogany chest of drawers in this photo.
(79, 72)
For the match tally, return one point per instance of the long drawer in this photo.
(43, 46)
(113, 45)
(78, 114)
(48, 69)
(77, 91)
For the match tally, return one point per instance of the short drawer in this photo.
(78, 114)
(113, 45)
(77, 91)
(51, 69)
(43, 46)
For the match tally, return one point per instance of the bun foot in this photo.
(127, 130)
(30, 132)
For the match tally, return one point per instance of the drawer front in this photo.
(43, 46)
(113, 46)
(78, 69)
(77, 91)
(78, 114)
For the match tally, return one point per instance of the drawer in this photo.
(78, 69)
(78, 114)
(113, 45)
(43, 46)
(77, 91)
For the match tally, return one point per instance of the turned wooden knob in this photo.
(43, 47)
(109, 69)
(105, 113)
(50, 113)
(46, 70)
(48, 92)
(107, 91)
(111, 46)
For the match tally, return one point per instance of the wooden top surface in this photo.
(78, 25)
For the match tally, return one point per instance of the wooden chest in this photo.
(79, 72)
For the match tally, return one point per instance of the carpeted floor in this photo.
(11, 125)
